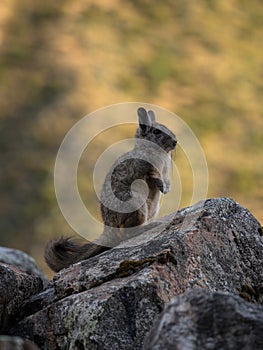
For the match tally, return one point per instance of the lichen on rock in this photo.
(111, 301)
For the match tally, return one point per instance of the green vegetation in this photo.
(59, 61)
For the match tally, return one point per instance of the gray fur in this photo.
(130, 195)
(151, 114)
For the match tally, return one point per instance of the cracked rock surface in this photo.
(111, 301)
(16, 343)
(20, 278)
(206, 320)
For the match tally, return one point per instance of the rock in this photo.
(20, 278)
(21, 260)
(111, 301)
(16, 343)
(200, 319)
(16, 286)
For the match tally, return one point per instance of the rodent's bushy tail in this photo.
(63, 252)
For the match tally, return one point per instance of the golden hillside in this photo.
(60, 61)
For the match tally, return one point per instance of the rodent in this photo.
(125, 202)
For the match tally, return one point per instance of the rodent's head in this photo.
(154, 132)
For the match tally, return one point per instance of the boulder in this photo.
(112, 300)
(20, 278)
(21, 260)
(205, 320)
(16, 343)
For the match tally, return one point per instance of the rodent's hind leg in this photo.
(136, 218)
(131, 222)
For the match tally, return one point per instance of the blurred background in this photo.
(202, 60)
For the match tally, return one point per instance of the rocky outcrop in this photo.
(111, 301)
(22, 261)
(16, 343)
(206, 320)
(20, 278)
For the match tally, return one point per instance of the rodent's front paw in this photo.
(159, 183)
(166, 187)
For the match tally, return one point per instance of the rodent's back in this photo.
(117, 189)
(148, 161)
(153, 142)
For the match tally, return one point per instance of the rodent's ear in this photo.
(144, 119)
(152, 116)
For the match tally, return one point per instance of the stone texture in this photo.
(20, 278)
(16, 343)
(111, 301)
(21, 260)
(16, 286)
(205, 320)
